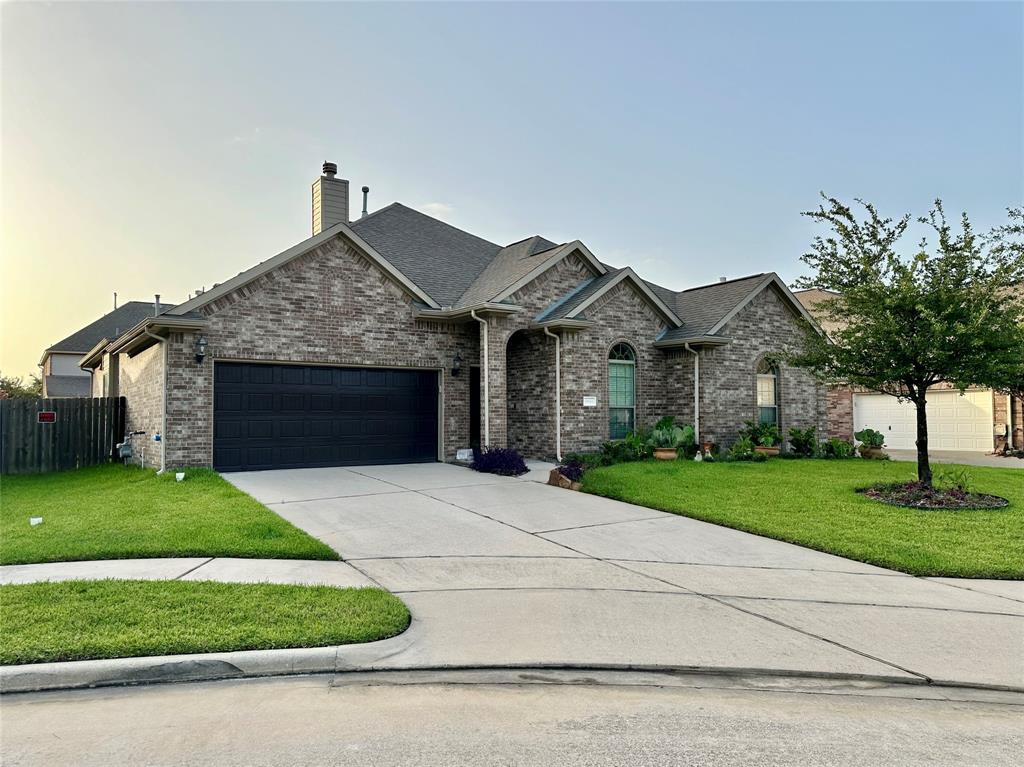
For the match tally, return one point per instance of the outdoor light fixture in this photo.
(457, 362)
(200, 348)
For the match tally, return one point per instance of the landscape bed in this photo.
(815, 503)
(81, 620)
(123, 512)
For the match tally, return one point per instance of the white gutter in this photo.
(485, 366)
(696, 393)
(163, 426)
(558, 394)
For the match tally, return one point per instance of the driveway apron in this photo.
(501, 571)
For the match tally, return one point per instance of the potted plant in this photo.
(766, 437)
(871, 443)
(666, 438)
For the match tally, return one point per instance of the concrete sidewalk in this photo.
(501, 572)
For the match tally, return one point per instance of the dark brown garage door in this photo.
(296, 416)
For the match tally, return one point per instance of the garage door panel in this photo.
(291, 416)
(955, 422)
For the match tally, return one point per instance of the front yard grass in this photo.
(813, 503)
(79, 620)
(121, 512)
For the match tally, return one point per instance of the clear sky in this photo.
(160, 148)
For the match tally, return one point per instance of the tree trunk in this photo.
(924, 468)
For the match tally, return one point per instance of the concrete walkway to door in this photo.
(500, 571)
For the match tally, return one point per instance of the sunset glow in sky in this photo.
(158, 148)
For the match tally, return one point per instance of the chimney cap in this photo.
(330, 169)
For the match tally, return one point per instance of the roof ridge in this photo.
(371, 215)
(723, 282)
(443, 223)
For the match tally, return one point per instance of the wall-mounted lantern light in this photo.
(457, 362)
(200, 348)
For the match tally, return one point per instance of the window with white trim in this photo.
(621, 391)
(767, 393)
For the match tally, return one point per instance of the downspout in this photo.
(696, 393)
(163, 425)
(558, 394)
(485, 366)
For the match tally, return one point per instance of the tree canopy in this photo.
(950, 311)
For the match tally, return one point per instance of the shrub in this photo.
(637, 443)
(835, 448)
(761, 434)
(499, 460)
(870, 437)
(742, 449)
(667, 434)
(803, 441)
(572, 470)
(957, 479)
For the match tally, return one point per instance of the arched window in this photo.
(621, 391)
(767, 393)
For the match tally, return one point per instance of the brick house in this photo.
(979, 420)
(397, 337)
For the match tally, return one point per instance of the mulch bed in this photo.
(913, 495)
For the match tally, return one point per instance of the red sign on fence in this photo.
(47, 416)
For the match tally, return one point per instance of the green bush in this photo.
(761, 434)
(667, 434)
(835, 448)
(742, 449)
(803, 442)
(870, 437)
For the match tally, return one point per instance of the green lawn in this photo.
(78, 620)
(120, 512)
(813, 503)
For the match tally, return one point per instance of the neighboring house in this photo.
(398, 338)
(978, 420)
(63, 375)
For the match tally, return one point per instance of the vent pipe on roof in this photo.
(721, 279)
(115, 299)
(366, 193)
(156, 304)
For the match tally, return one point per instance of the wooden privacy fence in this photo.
(39, 435)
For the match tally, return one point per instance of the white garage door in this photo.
(955, 422)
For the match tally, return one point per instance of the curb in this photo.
(367, 658)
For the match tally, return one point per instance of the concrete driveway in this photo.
(500, 571)
(965, 457)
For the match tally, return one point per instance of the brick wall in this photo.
(141, 383)
(530, 382)
(839, 408)
(766, 326)
(330, 306)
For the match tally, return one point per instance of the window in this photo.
(621, 391)
(767, 393)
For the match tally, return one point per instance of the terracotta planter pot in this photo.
(769, 451)
(871, 452)
(666, 453)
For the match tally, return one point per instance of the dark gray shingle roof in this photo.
(441, 260)
(702, 308)
(561, 309)
(110, 325)
(512, 263)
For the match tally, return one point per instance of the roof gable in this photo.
(512, 263)
(572, 306)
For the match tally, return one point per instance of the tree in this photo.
(952, 312)
(14, 387)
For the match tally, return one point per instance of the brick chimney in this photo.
(330, 199)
